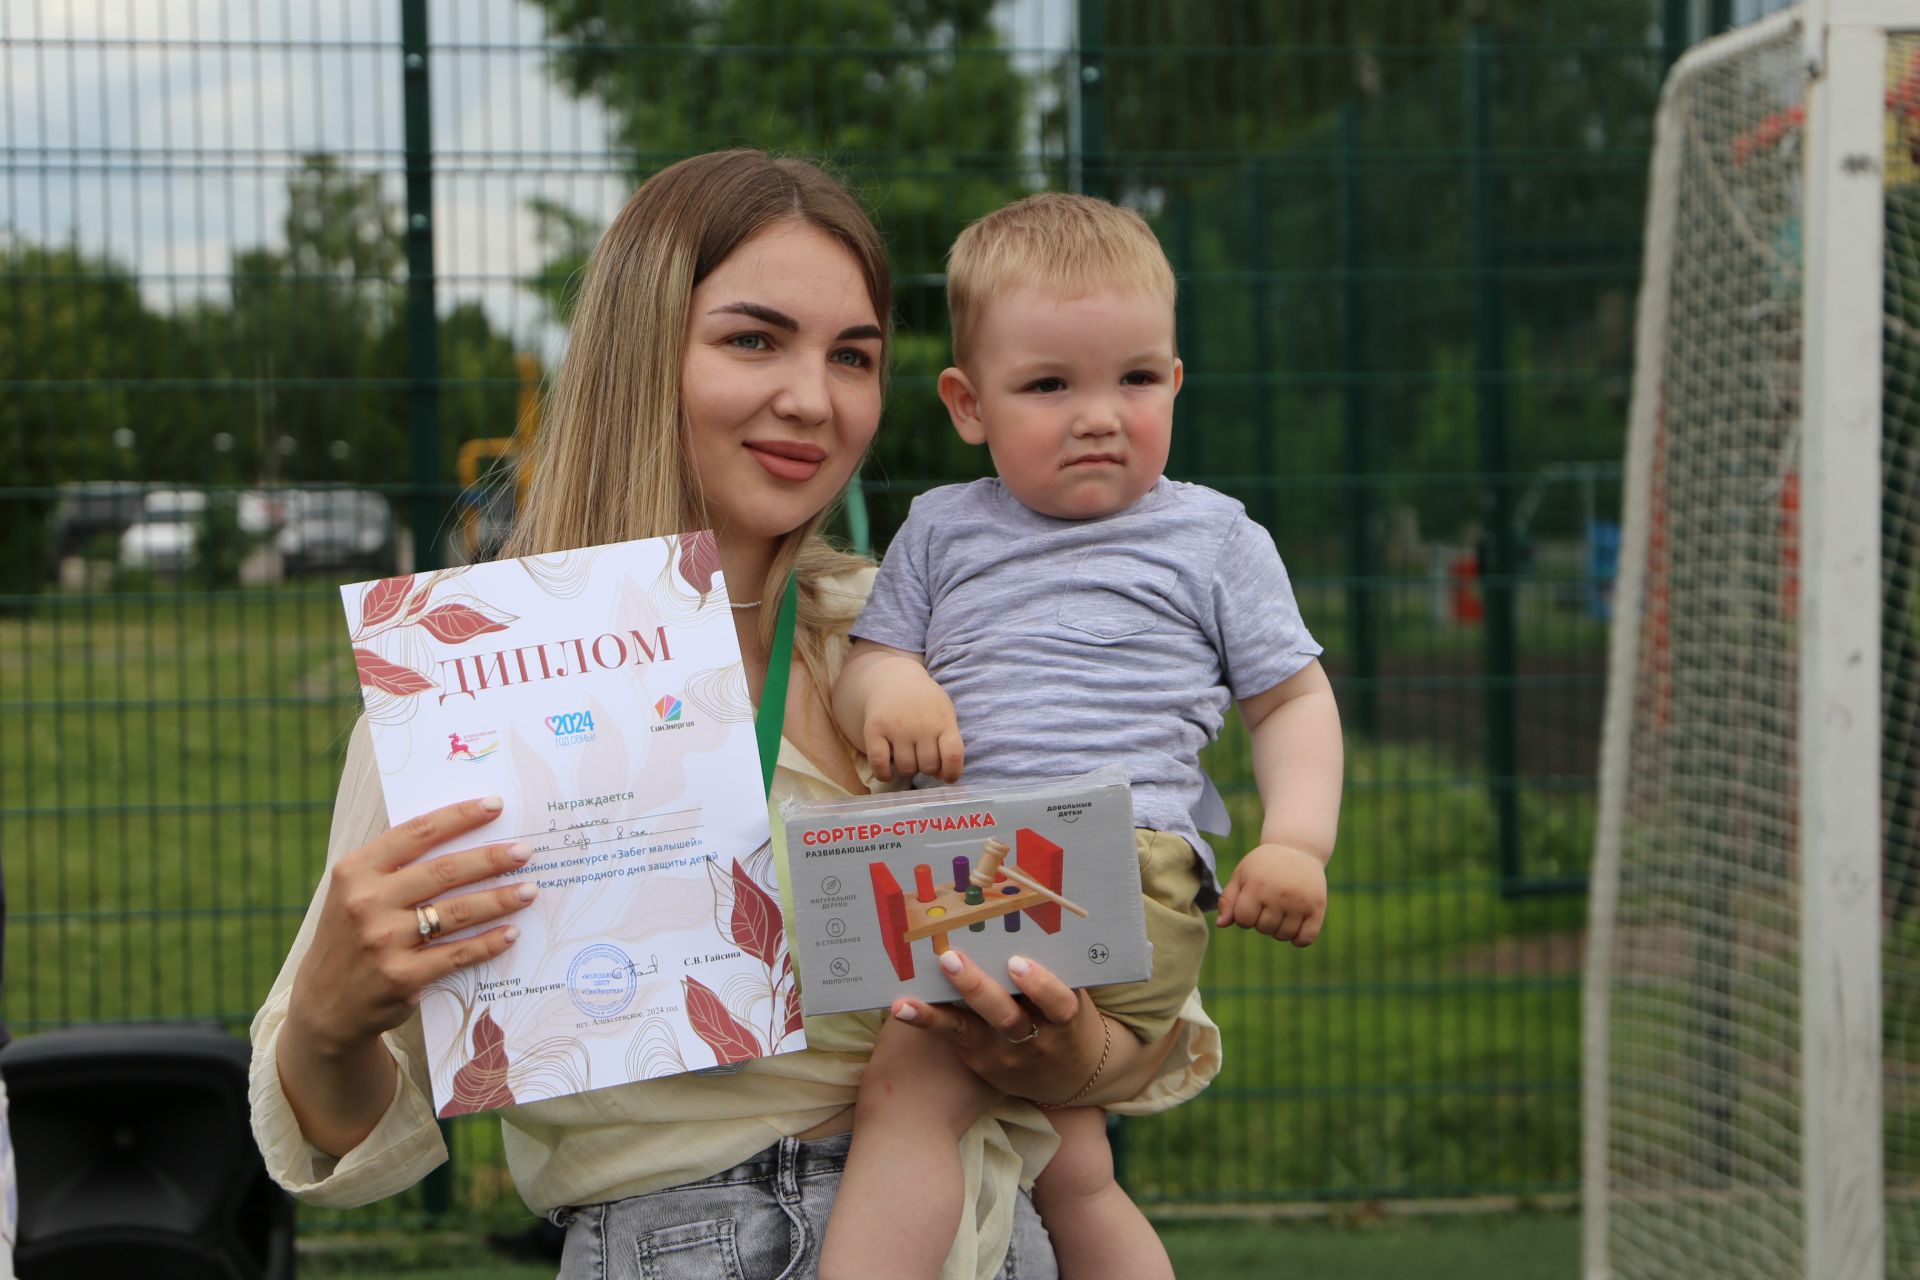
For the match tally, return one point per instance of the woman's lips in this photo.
(788, 459)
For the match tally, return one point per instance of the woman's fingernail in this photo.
(950, 961)
(520, 851)
(905, 1012)
(513, 933)
(1018, 966)
(527, 891)
(493, 804)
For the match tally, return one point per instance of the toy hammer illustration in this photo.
(989, 868)
(977, 894)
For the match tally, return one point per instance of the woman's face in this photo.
(781, 379)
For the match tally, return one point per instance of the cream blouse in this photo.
(634, 1138)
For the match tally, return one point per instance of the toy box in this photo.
(882, 885)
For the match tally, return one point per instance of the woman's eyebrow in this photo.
(765, 314)
(781, 320)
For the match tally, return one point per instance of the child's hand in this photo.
(1279, 890)
(911, 727)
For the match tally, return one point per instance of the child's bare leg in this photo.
(899, 1202)
(1098, 1232)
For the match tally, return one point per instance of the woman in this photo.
(726, 371)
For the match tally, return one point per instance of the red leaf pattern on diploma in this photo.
(455, 623)
(383, 600)
(419, 602)
(699, 560)
(725, 1034)
(481, 1085)
(794, 1019)
(389, 677)
(756, 918)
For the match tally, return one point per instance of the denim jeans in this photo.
(763, 1219)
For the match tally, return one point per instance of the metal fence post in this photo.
(1499, 563)
(423, 337)
(1265, 422)
(1186, 329)
(423, 381)
(1091, 95)
(1357, 447)
(1674, 32)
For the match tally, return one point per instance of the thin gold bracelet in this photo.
(1106, 1047)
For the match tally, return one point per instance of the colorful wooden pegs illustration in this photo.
(977, 894)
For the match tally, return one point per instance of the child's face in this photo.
(1072, 396)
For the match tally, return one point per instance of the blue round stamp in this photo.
(601, 981)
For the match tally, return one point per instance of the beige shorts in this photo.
(1171, 874)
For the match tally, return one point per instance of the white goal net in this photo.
(1716, 1030)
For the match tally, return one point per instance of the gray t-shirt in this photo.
(1067, 644)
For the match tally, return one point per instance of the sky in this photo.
(161, 132)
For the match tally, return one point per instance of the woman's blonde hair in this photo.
(610, 461)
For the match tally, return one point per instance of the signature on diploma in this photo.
(576, 835)
(653, 966)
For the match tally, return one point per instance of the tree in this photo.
(295, 377)
(1277, 145)
(319, 339)
(312, 323)
(1267, 76)
(79, 353)
(566, 238)
(479, 381)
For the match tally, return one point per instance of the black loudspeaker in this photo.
(135, 1158)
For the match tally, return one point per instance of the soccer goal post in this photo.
(1752, 1019)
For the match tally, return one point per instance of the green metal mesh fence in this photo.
(266, 268)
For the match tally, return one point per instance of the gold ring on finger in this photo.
(428, 917)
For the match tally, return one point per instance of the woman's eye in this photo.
(852, 357)
(1141, 378)
(1047, 386)
(750, 341)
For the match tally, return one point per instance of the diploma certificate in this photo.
(600, 692)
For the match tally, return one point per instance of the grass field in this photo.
(166, 777)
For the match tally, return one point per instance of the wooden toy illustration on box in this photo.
(1032, 883)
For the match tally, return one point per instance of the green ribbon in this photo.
(771, 718)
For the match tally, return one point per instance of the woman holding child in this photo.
(726, 371)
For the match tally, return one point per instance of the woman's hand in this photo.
(367, 965)
(1046, 1044)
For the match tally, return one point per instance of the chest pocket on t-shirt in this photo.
(1113, 597)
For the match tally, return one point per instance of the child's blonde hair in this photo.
(1068, 245)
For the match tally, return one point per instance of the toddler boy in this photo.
(1079, 608)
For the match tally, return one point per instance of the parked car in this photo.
(261, 511)
(165, 534)
(89, 510)
(337, 529)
